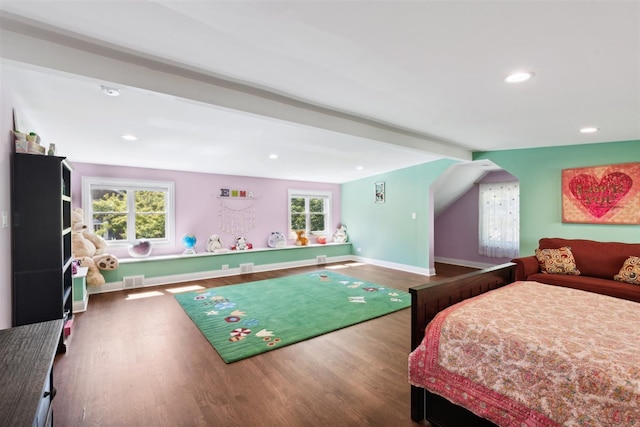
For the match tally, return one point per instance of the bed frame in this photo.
(426, 301)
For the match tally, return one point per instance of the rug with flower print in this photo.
(247, 319)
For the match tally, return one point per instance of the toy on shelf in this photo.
(276, 240)
(241, 245)
(88, 249)
(340, 236)
(302, 239)
(214, 244)
(140, 249)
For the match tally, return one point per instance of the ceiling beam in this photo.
(35, 44)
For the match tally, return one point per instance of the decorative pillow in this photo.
(557, 261)
(630, 271)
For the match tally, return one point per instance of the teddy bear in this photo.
(88, 249)
(302, 239)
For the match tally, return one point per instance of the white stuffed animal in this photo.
(214, 244)
(276, 240)
(340, 236)
(241, 245)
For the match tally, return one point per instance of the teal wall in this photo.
(385, 231)
(539, 171)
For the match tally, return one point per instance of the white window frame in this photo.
(132, 185)
(327, 195)
(499, 219)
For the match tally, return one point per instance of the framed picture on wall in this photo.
(379, 192)
(608, 194)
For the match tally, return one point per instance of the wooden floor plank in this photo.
(142, 362)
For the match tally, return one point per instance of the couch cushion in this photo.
(591, 284)
(595, 259)
(557, 261)
(630, 271)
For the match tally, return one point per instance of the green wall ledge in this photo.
(168, 269)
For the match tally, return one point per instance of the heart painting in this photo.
(599, 197)
(602, 194)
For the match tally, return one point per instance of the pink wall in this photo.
(456, 228)
(198, 206)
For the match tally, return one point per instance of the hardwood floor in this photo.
(142, 362)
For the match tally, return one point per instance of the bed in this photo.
(524, 354)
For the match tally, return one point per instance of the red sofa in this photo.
(598, 262)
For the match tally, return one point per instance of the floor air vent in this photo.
(246, 268)
(133, 281)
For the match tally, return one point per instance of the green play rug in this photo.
(243, 320)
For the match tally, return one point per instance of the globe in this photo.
(189, 243)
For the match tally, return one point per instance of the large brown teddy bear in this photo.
(89, 250)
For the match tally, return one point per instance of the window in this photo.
(499, 219)
(310, 211)
(124, 211)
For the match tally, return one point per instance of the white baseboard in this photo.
(80, 306)
(397, 266)
(211, 274)
(463, 263)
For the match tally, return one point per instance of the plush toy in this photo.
(88, 249)
(340, 236)
(214, 244)
(241, 245)
(302, 239)
(276, 240)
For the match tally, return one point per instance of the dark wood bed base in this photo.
(426, 301)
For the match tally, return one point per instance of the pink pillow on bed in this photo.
(557, 261)
(630, 271)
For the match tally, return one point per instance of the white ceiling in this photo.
(328, 86)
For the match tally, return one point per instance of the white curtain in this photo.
(499, 219)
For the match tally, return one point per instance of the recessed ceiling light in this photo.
(359, 168)
(129, 137)
(110, 91)
(273, 156)
(589, 130)
(519, 77)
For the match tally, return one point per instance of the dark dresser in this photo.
(26, 373)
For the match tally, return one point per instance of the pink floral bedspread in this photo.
(531, 354)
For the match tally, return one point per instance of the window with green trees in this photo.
(309, 211)
(124, 211)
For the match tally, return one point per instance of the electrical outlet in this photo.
(5, 219)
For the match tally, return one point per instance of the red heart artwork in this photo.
(600, 197)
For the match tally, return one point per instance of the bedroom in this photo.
(402, 244)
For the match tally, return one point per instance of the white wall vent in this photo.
(246, 268)
(133, 282)
(321, 259)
